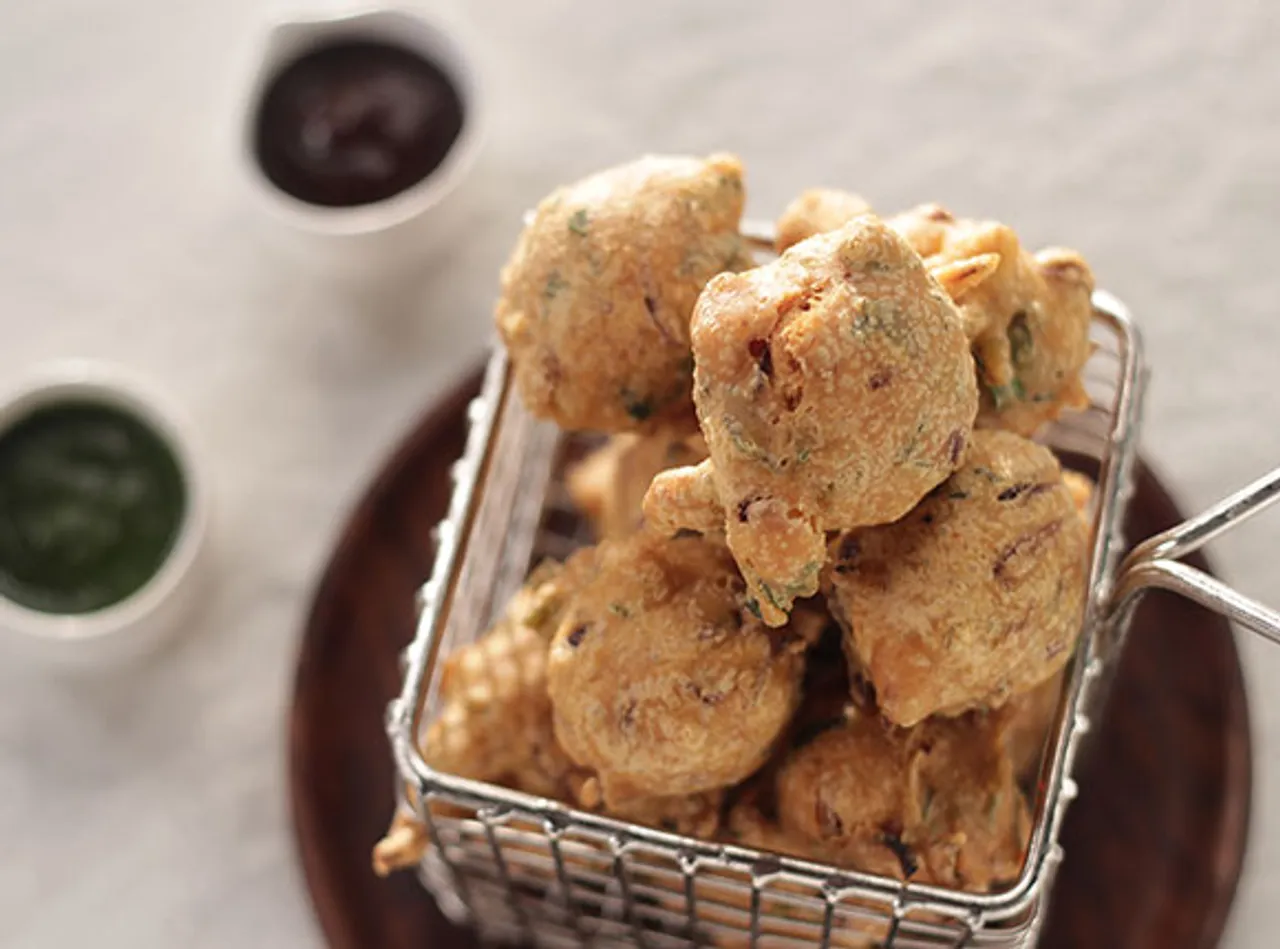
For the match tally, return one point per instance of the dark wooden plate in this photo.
(1154, 844)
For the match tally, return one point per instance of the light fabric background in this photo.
(148, 809)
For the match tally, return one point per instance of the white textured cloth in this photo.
(148, 809)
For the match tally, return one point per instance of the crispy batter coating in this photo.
(661, 683)
(784, 911)
(694, 815)
(828, 697)
(1028, 320)
(1029, 715)
(847, 787)
(835, 388)
(495, 722)
(1026, 315)
(820, 210)
(402, 846)
(976, 595)
(936, 803)
(752, 823)
(924, 227)
(609, 484)
(596, 297)
(816, 211)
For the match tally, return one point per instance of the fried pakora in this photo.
(976, 595)
(816, 211)
(1027, 315)
(1028, 320)
(937, 803)
(661, 682)
(596, 297)
(834, 387)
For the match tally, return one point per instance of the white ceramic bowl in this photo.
(137, 624)
(406, 225)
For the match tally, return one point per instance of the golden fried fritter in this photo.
(835, 388)
(660, 682)
(1029, 715)
(787, 910)
(976, 595)
(495, 721)
(402, 846)
(820, 210)
(844, 787)
(1028, 321)
(936, 803)
(1026, 315)
(748, 824)
(596, 297)
(924, 227)
(975, 823)
(816, 211)
(609, 484)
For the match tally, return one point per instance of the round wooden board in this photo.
(1154, 844)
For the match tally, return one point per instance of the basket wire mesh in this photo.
(525, 868)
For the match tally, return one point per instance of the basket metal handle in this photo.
(1156, 562)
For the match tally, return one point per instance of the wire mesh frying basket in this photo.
(524, 868)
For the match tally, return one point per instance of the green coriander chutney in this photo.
(91, 502)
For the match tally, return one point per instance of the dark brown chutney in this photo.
(356, 121)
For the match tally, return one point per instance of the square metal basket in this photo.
(523, 868)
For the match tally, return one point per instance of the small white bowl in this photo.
(138, 623)
(409, 224)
